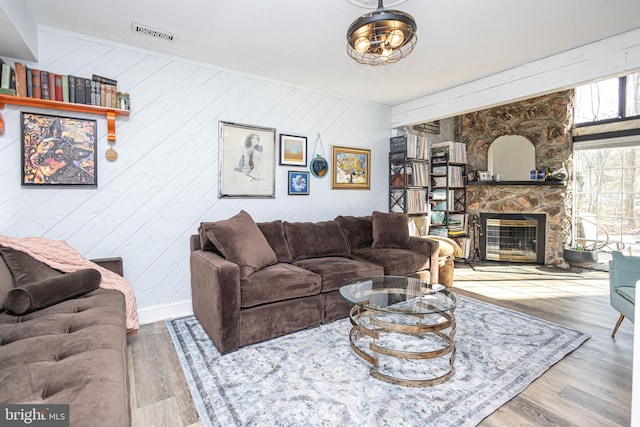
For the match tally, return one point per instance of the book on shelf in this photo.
(104, 80)
(21, 79)
(415, 147)
(72, 88)
(44, 83)
(57, 78)
(7, 91)
(65, 88)
(87, 91)
(5, 79)
(52, 85)
(456, 152)
(29, 82)
(80, 90)
(36, 83)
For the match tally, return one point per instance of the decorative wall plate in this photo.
(319, 166)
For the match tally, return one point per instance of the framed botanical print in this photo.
(351, 168)
(293, 150)
(298, 183)
(246, 161)
(58, 150)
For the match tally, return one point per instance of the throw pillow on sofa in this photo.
(357, 230)
(390, 230)
(24, 268)
(316, 239)
(274, 233)
(240, 241)
(47, 292)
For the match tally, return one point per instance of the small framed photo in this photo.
(293, 150)
(351, 168)
(58, 150)
(484, 176)
(298, 183)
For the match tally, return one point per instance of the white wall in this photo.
(164, 182)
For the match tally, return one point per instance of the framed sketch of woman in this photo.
(246, 161)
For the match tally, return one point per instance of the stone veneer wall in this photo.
(546, 121)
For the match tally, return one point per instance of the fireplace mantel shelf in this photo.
(494, 183)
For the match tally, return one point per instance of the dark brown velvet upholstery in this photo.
(279, 318)
(315, 239)
(278, 282)
(284, 298)
(47, 292)
(6, 282)
(357, 230)
(337, 270)
(390, 230)
(24, 268)
(73, 352)
(274, 233)
(240, 241)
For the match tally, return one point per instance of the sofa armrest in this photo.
(215, 296)
(114, 264)
(430, 248)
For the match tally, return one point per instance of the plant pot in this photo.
(580, 258)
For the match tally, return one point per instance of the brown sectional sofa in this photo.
(72, 352)
(252, 282)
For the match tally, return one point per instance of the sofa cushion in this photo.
(70, 353)
(6, 282)
(278, 282)
(274, 233)
(26, 269)
(316, 239)
(335, 271)
(44, 293)
(390, 230)
(357, 230)
(396, 262)
(240, 241)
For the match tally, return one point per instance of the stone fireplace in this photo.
(546, 121)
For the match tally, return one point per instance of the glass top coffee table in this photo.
(404, 328)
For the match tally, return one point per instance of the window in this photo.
(608, 100)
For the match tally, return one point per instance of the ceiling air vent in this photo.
(159, 34)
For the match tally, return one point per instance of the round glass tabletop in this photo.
(398, 294)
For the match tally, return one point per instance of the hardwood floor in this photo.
(589, 387)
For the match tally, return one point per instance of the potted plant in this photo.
(581, 256)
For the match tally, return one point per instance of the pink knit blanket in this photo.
(60, 255)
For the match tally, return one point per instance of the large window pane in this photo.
(597, 101)
(633, 95)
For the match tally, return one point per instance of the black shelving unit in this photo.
(408, 184)
(448, 195)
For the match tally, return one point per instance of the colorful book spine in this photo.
(29, 82)
(21, 79)
(52, 86)
(58, 84)
(44, 82)
(6, 76)
(36, 83)
(65, 88)
(72, 89)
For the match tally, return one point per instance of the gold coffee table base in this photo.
(420, 330)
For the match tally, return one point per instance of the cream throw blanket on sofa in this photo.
(60, 255)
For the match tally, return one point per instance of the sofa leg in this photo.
(620, 319)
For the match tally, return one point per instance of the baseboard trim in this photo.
(165, 311)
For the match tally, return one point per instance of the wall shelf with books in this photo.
(109, 113)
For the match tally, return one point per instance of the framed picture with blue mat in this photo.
(298, 183)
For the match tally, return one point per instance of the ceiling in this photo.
(302, 42)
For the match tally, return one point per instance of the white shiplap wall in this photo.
(164, 182)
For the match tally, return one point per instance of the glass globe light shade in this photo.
(362, 44)
(395, 38)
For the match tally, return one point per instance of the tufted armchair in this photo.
(624, 272)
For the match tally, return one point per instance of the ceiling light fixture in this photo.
(382, 36)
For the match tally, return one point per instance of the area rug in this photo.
(536, 270)
(313, 378)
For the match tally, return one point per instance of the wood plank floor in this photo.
(589, 387)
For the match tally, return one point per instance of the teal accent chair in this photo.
(624, 272)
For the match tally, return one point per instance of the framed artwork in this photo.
(484, 176)
(351, 168)
(293, 150)
(298, 183)
(58, 150)
(247, 162)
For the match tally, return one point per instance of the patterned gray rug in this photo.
(313, 378)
